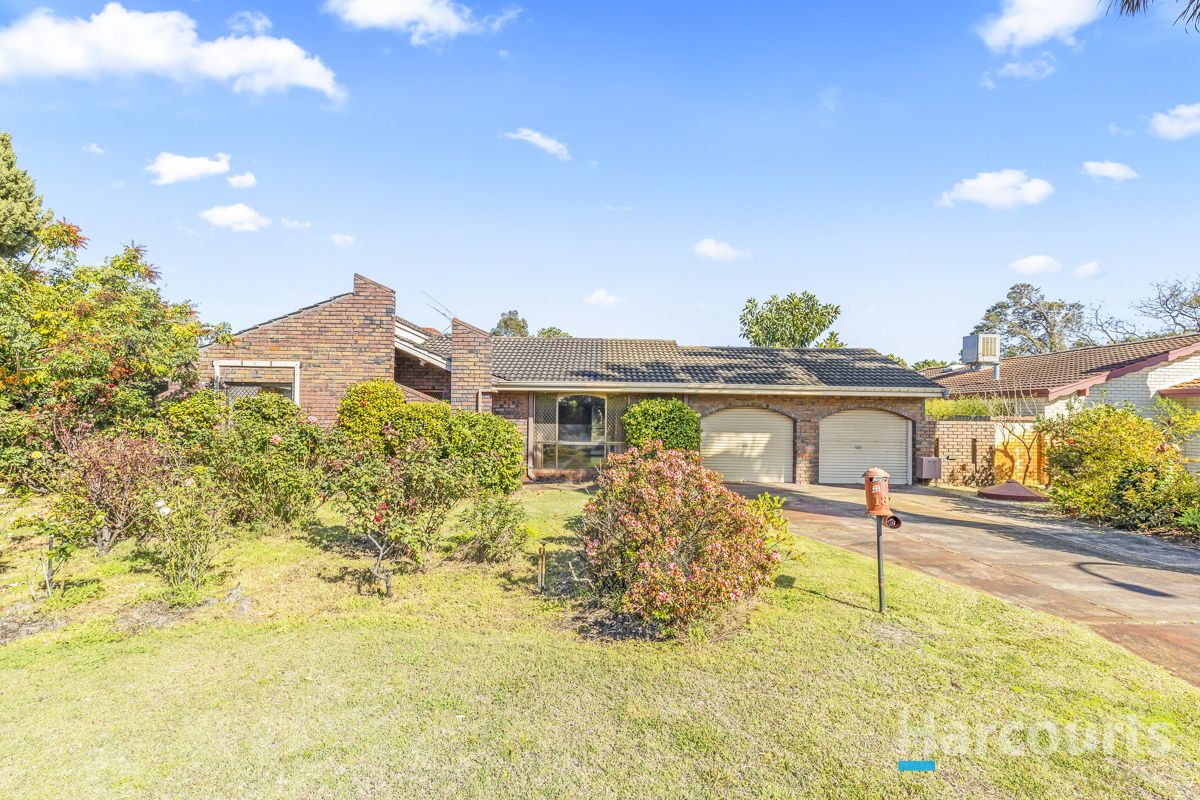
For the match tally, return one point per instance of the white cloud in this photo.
(342, 239)
(718, 251)
(423, 20)
(502, 53)
(118, 41)
(1088, 270)
(243, 181)
(601, 297)
(1024, 23)
(541, 141)
(117, 184)
(294, 224)
(1006, 188)
(1116, 130)
(171, 168)
(1112, 170)
(1180, 122)
(254, 22)
(93, 148)
(1035, 265)
(1035, 69)
(239, 217)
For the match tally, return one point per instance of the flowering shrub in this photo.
(367, 408)
(192, 422)
(1112, 464)
(267, 460)
(190, 522)
(673, 422)
(669, 543)
(397, 502)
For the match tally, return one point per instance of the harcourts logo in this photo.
(927, 737)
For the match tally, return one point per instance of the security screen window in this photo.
(576, 431)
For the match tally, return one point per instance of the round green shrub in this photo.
(673, 422)
(193, 419)
(368, 407)
(492, 448)
(266, 408)
(429, 421)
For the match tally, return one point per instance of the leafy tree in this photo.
(928, 363)
(1029, 324)
(832, 342)
(793, 321)
(21, 214)
(99, 341)
(552, 332)
(1190, 15)
(511, 324)
(896, 358)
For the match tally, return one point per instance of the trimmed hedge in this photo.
(673, 422)
(493, 448)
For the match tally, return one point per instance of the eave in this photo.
(718, 388)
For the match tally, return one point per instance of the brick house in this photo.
(1048, 385)
(767, 414)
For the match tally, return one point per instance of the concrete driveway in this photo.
(1138, 591)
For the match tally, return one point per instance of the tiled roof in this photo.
(1055, 372)
(575, 360)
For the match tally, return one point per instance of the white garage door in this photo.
(854, 441)
(748, 444)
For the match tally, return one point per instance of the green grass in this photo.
(469, 684)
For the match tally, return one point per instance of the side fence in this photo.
(981, 452)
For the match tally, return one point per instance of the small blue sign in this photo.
(917, 766)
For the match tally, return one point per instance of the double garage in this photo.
(757, 445)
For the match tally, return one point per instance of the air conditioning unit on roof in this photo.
(981, 348)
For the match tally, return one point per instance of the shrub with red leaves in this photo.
(669, 543)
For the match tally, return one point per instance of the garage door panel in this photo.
(853, 441)
(748, 444)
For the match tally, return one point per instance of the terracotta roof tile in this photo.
(1043, 374)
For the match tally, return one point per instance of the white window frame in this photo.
(294, 366)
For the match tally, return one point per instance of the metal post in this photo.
(879, 556)
(542, 569)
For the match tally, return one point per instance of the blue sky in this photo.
(619, 169)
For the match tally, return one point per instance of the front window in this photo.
(577, 431)
(236, 391)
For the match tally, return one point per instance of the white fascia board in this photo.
(721, 388)
(416, 352)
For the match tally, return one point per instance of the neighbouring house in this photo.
(767, 415)
(1048, 385)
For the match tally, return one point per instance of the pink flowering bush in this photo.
(666, 541)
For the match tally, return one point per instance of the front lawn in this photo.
(290, 683)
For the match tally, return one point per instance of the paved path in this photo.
(1138, 591)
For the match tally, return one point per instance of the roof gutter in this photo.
(720, 388)
(423, 355)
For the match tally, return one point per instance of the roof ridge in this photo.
(1102, 346)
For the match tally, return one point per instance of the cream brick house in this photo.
(767, 414)
(1137, 373)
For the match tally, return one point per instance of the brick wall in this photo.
(967, 448)
(344, 340)
(427, 378)
(470, 367)
(807, 413)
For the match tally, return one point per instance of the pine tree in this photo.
(21, 215)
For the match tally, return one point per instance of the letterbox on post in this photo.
(879, 501)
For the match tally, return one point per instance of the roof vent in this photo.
(981, 348)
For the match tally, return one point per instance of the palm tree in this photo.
(1189, 16)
